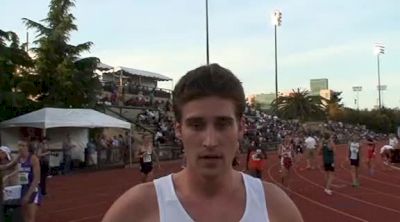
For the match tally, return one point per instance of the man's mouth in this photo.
(211, 156)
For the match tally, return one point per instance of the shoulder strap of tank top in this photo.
(170, 208)
(256, 207)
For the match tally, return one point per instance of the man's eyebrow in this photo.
(193, 119)
(218, 118)
(224, 118)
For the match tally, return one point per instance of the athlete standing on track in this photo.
(354, 158)
(328, 158)
(371, 152)
(29, 178)
(285, 152)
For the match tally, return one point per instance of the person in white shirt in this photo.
(311, 147)
(208, 104)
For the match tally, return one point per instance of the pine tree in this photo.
(64, 79)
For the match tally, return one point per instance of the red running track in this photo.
(85, 197)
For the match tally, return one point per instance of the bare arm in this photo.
(280, 207)
(10, 175)
(43, 152)
(10, 164)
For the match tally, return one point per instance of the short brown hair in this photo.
(205, 81)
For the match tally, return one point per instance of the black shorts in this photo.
(146, 167)
(329, 167)
(355, 162)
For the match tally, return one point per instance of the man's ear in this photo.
(241, 128)
(178, 130)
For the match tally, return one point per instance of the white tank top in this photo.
(354, 149)
(171, 209)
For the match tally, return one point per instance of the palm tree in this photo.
(334, 107)
(65, 80)
(299, 105)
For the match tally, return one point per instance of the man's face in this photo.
(209, 132)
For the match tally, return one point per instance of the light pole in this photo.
(357, 89)
(276, 21)
(378, 50)
(382, 88)
(207, 44)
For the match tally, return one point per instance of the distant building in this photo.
(264, 99)
(316, 85)
(326, 93)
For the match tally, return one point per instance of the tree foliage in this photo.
(15, 65)
(383, 121)
(63, 78)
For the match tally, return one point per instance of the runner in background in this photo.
(327, 150)
(354, 158)
(256, 162)
(311, 146)
(285, 152)
(146, 155)
(29, 178)
(371, 153)
(299, 147)
(386, 156)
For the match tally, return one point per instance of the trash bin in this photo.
(13, 211)
(12, 203)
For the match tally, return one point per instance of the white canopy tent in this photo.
(53, 117)
(60, 121)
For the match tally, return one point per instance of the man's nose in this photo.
(210, 140)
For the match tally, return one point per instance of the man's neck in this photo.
(207, 187)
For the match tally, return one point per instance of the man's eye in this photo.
(196, 126)
(223, 124)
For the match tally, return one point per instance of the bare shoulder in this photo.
(34, 159)
(137, 204)
(280, 206)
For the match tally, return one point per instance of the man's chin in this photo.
(212, 172)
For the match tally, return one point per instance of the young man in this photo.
(354, 159)
(208, 103)
(371, 152)
(311, 146)
(146, 154)
(29, 178)
(328, 158)
(285, 152)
